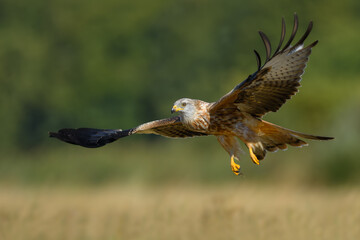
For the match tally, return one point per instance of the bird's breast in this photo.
(199, 123)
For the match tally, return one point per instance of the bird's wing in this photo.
(170, 127)
(93, 138)
(274, 82)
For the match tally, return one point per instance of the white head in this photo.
(186, 107)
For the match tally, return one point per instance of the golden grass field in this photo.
(179, 212)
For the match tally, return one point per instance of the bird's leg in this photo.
(253, 156)
(234, 166)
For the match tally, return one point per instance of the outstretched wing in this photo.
(274, 82)
(92, 138)
(170, 127)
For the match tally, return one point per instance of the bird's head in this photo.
(185, 106)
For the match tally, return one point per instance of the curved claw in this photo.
(234, 166)
(253, 156)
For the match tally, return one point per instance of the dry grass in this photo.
(245, 212)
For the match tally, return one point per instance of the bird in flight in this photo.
(237, 115)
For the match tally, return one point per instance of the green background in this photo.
(117, 64)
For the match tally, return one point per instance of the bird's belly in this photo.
(240, 125)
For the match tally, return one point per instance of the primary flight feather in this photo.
(237, 115)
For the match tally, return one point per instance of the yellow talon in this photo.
(253, 157)
(234, 166)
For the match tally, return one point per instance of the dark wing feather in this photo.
(93, 138)
(283, 31)
(267, 45)
(89, 137)
(276, 81)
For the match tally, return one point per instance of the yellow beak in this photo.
(176, 109)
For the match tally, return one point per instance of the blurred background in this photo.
(117, 64)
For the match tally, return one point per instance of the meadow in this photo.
(174, 190)
(179, 212)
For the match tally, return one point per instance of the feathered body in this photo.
(237, 115)
(228, 124)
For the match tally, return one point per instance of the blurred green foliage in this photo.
(117, 63)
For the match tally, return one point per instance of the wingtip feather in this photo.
(295, 27)
(283, 32)
(267, 45)
(258, 59)
(303, 38)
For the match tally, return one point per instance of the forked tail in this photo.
(89, 137)
(272, 137)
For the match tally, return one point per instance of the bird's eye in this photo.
(183, 104)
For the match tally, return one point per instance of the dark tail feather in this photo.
(89, 137)
(308, 136)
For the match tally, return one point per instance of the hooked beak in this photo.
(176, 109)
